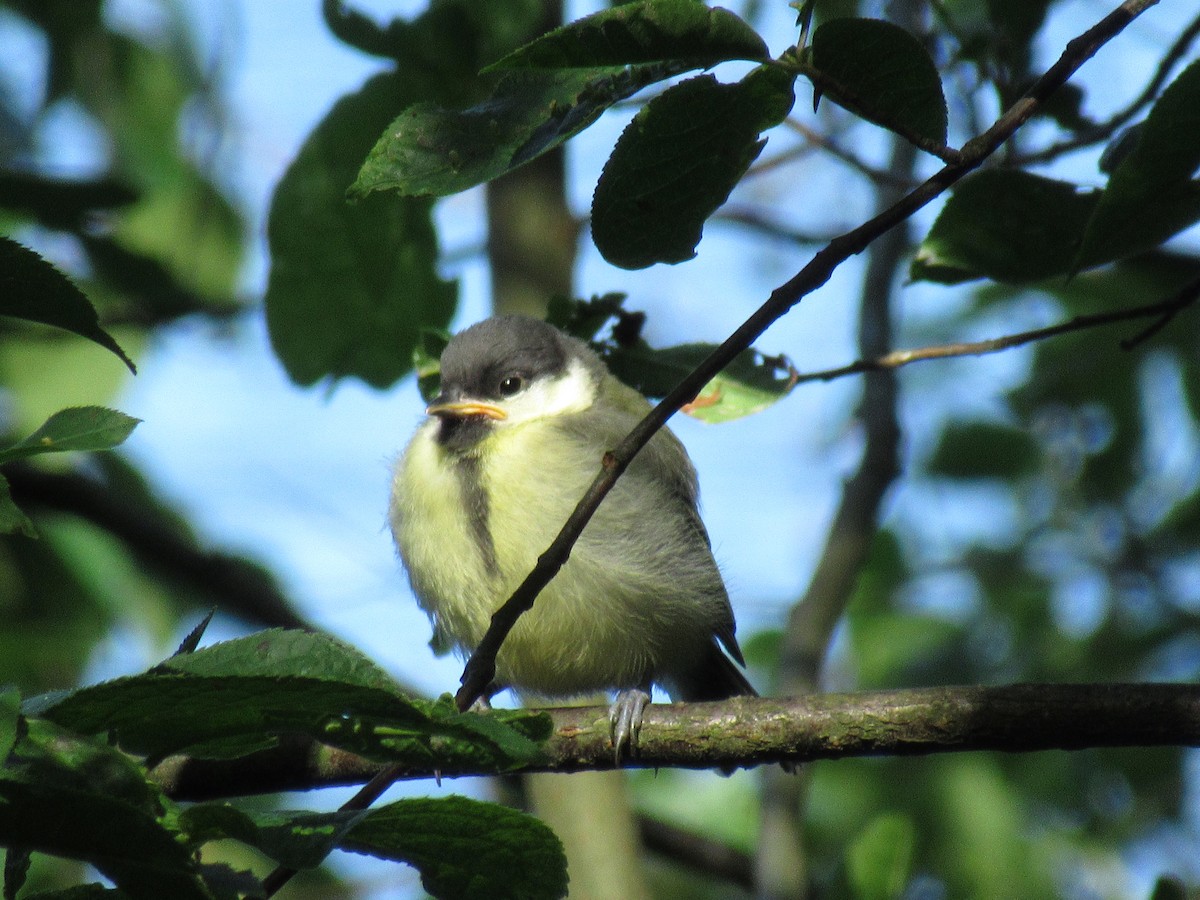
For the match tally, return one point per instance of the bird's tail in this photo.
(716, 677)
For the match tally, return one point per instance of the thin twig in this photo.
(1104, 130)
(1164, 311)
(481, 667)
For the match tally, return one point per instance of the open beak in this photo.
(465, 408)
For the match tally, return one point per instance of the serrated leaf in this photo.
(1151, 195)
(882, 73)
(681, 32)
(880, 858)
(1005, 225)
(285, 651)
(465, 848)
(748, 385)
(12, 520)
(350, 285)
(677, 162)
(81, 428)
(77, 798)
(235, 698)
(32, 289)
(430, 150)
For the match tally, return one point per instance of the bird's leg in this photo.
(625, 716)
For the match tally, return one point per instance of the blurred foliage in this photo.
(1085, 566)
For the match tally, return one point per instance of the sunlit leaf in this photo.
(430, 150)
(681, 32)
(83, 428)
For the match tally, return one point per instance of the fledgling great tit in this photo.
(511, 444)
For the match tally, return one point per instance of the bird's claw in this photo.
(625, 717)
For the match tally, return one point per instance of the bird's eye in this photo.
(510, 384)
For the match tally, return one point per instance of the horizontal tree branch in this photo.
(749, 731)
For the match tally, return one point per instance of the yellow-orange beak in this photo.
(466, 408)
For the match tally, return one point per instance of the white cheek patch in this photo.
(573, 391)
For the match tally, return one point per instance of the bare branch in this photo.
(1104, 130)
(1163, 312)
(481, 668)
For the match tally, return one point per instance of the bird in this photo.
(509, 446)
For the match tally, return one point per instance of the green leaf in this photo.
(238, 697)
(351, 285)
(32, 289)
(299, 839)
(748, 385)
(1005, 225)
(465, 848)
(433, 151)
(77, 798)
(984, 450)
(677, 162)
(83, 428)
(884, 74)
(682, 32)
(1151, 196)
(12, 520)
(881, 857)
(285, 651)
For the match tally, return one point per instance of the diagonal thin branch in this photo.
(481, 667)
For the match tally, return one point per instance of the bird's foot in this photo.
(625, 716)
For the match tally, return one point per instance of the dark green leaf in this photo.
(302, 840)
(431, 150)
(16, 869)
(32, 289)
(881, 72)
(1150, 195)
(880, 858)
(238, 697)
(351, 285)
(677, 162)
(193, 638)
(10, 717)
(77, 798)
(225, 717)
(12, 520)
(984, 450)
(681, 32)
(1005, 225)
(465, 848)
(83, 428)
